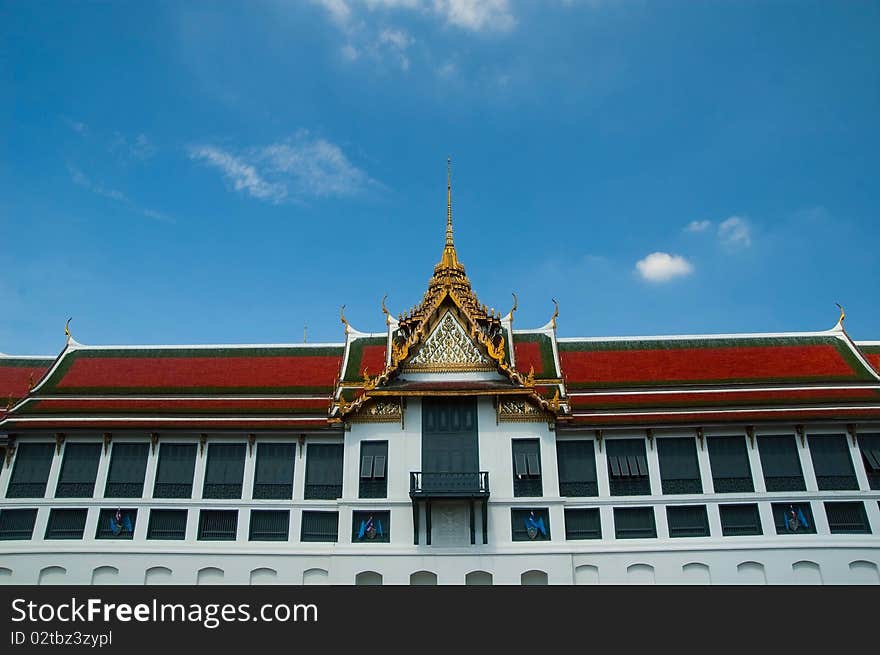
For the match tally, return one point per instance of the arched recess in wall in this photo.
(750, 573)
(586, 574)
(423, 578)
(264, 576)
(315, 576)
(475, 578)
(366, 578)
(53, 575)
(5, 575)
(640, 574)
(533, 577)
(696, 573)
(863, 572)
(210, 575)
(105, 575)
(805, 572)
(157, 575)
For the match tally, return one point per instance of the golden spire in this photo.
(450, 257)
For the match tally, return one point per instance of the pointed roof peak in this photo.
(449, 259)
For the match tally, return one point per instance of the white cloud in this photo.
(447, 70)
(293, 169)
(735, 232)
(662, 267)
(138, 148)
(477, 15)
(698, 226)
(81, 179)
(339, 10)
(397, 38)
(243, 176)
(350, 52)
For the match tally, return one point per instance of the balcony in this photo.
(449, 484)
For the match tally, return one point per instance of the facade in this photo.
(449, 448)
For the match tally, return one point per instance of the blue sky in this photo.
(190, 172)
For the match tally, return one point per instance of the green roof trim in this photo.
(353, 370)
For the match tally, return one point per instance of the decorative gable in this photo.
(448, 348)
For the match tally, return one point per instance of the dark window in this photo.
(167, 524)
(687, 521)
(679, 470)
(847, 518)
(730, 465)
(225, 470)
(793, 518)
(269, 525)
(66, 524)
(869, 445)
(832, 462)
(739, 520)
(627, 467)
(531, 524)
(576, 462)
(128, 465)
(31, 472)
(218, 524)
(374, 458)
(781, 464)
(320, 526)
(527, 468)
(324, 471)
(174, 477)
(78, 470)
(116, 524)
(17, 523)
(634, 523)
(274, 474)
(583, 524)
(371, 526)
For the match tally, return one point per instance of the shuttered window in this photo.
(269, 525)
(582, 524)
(576, 462)
(31, 472)
(679, 470)
(370, 526)
(111, 526)
(687, 521)
(527, 468)
(66, 524)
(167, 524)
(740, 520)
(225, 470)
(530, 524)
(627, 467)
(729, 460)
(324, 471)
(373, 481)
(78, 470)
(869, 446)
(793, 518)
(832, 462)
(274, 474)
(781, 464)
(847, 518)
(17, 524)
(634, 523)
(320, 526)
(128, 465)
(218, 525)
(174, 476)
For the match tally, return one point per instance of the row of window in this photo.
(576, 461)
(531, 524)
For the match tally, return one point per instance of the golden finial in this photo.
(530, 378)
(515, 304)
(555, 313)
(342, 318)
(384, 308)
(449, 202)
(67, 330)
(839, 325)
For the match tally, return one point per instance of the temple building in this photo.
(451, 447)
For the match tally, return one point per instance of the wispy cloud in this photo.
(735, 232)
(81, 179)
(477, 15)
(77, 126)
(140, 147)
(294, 169)
(662, 267)
(398, 41)
(698, 226)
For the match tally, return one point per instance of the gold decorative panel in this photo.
(449, 348)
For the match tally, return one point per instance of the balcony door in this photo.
(449, 436)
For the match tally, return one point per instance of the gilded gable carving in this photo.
(449, 348)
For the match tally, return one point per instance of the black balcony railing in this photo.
(449, 484)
